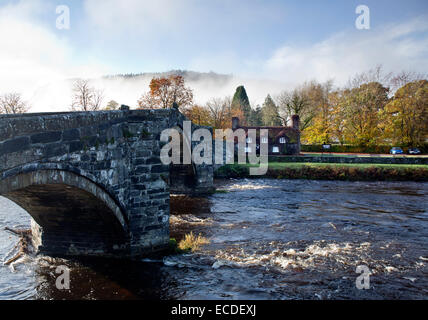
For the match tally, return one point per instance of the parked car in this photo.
(396, 150)
(414, 151)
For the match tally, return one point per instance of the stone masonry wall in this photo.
(117, 150)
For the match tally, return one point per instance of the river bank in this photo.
(331, 171)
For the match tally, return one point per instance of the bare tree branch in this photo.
(12, 103)
(85, 97)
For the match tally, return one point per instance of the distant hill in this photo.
(191, 76)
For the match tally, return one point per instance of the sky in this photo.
(266, 45)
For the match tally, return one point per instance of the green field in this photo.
(361, 155)
(297, 165)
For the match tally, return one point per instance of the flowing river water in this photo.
(268, 239)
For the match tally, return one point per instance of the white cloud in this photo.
(396, 47)
(171, 16)
(33, 57)
(30, 54)
(134, 16)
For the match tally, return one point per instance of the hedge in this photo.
(357, 149)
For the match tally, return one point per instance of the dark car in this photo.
(414, 151)
(396, 150)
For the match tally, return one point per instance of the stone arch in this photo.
(71, 214)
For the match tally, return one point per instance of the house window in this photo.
(248, 149)
(275, 150)
(264, 140)
(249, 140)
(282, 140)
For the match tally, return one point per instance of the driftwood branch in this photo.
(22, 245)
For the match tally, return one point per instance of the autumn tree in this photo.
(270, 115)
(363, 112)
(319, 130)
(12, 103)
(220, 112)
(85, 97)
(164, 92)
(112, 105)
(361, 108)
(307, 101)
(406, 115)
(198, 115)
(337, 123)
(295, 103)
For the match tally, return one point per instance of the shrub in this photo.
(192, 242)
(350, 173)
(232, 171)
(376, 149)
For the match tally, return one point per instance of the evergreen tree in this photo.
(241, 104)
(270, 114)
(256, 117)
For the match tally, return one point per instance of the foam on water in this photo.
(247, 184)
(308, 257)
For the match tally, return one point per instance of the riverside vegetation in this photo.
(190, 243)
(331, 171)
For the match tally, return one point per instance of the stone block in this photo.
(46, 137)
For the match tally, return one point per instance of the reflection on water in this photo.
(269, 239)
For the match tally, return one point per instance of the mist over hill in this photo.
(128, 88)
(188, 75)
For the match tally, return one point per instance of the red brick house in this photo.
(282, 140)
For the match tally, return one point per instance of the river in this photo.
(268, 239)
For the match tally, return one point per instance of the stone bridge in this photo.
(93, 182)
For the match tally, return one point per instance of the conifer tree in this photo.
(270, 114)
(241, 105)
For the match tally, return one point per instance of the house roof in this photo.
(275, 132)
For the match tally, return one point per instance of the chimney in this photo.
(235, 123)
(295, 122)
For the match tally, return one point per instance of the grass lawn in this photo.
(297, 165)
(362, 155)
(314, 154)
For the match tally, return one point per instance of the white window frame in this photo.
(282, 140)
(248, 150)
(265, 140)
(249, 140)
(275, 149)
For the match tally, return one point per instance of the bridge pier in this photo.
(92, 182)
